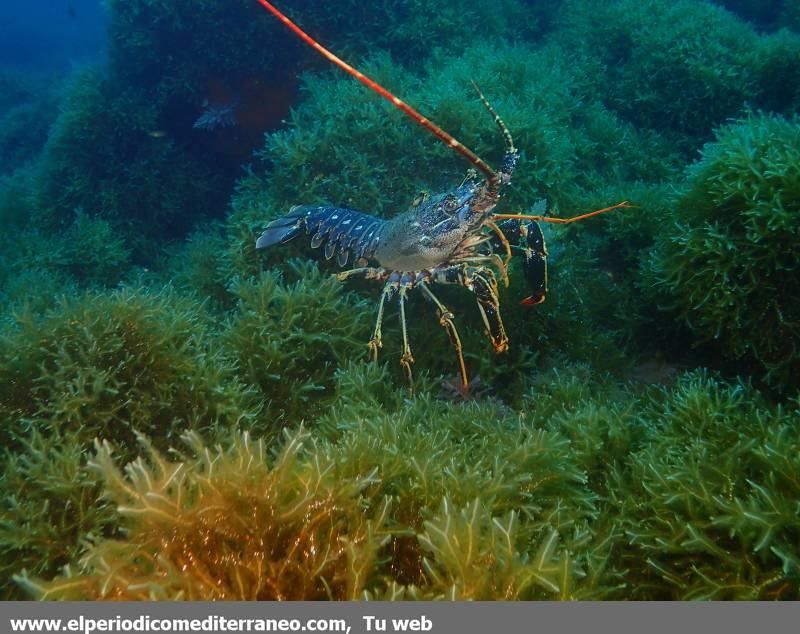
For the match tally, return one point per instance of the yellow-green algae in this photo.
(593, 491)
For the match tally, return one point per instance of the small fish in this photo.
(157, 134)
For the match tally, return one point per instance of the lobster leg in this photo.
(446, 320)
(493, 258)
(485, 288)
(481, 281)
(367, 271)
(376, 343)
(506, 246)
(406, 358)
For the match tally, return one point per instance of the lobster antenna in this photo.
(434, 129)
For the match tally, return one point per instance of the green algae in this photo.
(596, 467)
(730, 262)
(597, 491)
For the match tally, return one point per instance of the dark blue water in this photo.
(51, 34)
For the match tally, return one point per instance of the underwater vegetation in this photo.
(28, 106)
(397, 27)
(281, 531)
(184, 417)
(594, 492)
(107, 155)
(680, 68)
(110, 365)
(731, 262)
(766, 14)
(274, 339)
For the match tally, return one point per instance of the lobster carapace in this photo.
(450, 238)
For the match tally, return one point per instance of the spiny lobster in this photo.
(440, 239)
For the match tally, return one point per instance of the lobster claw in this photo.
(527, 238)
(533, 300)
(534, 263)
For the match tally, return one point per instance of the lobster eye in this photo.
(450, 203)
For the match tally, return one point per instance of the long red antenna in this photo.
(434, 129)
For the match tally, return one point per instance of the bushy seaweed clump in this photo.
(108, 156)
(731, 261)
(697, 483)
(678, 67)
(382, 507)
(195, 266)
(485, 505)
(709, 502)
(113, 363)
(779, 74)
(50, 507)
(229, 524)
(412, 30)
(98, 364)
(28, 107)
(596, 491)
(288, 336)
(39, 263)
(87, 253)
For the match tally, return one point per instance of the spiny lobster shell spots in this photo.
(341, 230)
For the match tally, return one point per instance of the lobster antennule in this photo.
(511, 157)
(426, 123)
(503, 129)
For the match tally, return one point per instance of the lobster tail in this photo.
(340, 230)
(283, 229)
